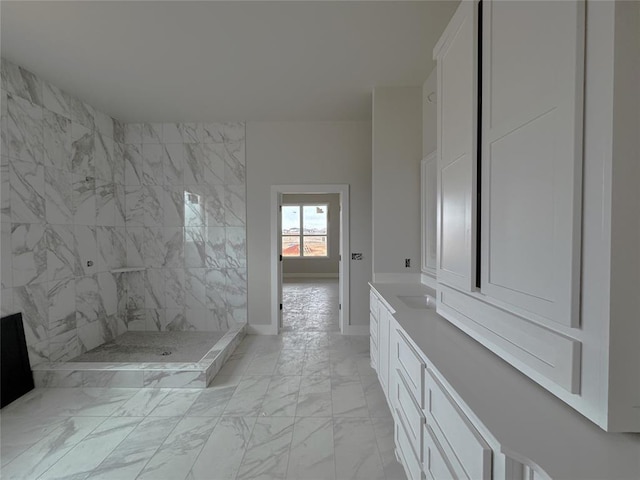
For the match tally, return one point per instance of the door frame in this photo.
(276, 274)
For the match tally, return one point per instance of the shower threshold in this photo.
(131, 360)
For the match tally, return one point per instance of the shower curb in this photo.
(141, 375)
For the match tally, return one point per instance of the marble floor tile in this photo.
(263, 363)
(223, 452)
(19, 432)
(344, 365)
(347, 397)
(142, 403)
(128, 459)
(316, 362)
(93, 449)
(281, 397)
(248, 397)
(37, 459)
(312, 451)
(175, 457)
(212, 401)
(328, 420)
(291, 362)
(314, 399)
(268, 450)
(71, 402)
(356, 449)
(376, 400)
(384, 430)
(176, 403)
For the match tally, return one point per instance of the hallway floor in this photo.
(310, 305)
(302, 405)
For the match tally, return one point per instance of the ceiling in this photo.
(160, 61)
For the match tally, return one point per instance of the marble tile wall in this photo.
(84, 194)
(62, 217)
(185, 216)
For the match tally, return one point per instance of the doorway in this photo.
(289, 200)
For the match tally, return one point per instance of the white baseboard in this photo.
(263, 329)
(396, 278)
(311, 275)
(357, 330)
(428, 280)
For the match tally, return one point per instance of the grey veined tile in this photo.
(314, 399)
(92, 450)
(177, 454)
(248, 397)
(348, 398)
(312, 450)
(37, 459)
(356, 449)
(268, 451)
(282, 396)
(128, 459)
(223, 452)
(176, 403)
(142, 403)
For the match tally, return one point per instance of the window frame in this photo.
(301, 235)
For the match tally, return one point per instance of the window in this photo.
(304, 230)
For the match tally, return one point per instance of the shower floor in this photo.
(153, 347)
(134, 359)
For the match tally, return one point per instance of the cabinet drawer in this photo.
(411, 365)
(374, 304)
(373, 327)
(405, 451)
(410, 412)
(462, 444)
(435, 464)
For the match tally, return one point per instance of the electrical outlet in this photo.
(356, 256)
(407, 263)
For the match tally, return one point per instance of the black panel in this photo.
(479, 154)
(17, 378)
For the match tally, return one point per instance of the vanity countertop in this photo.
(526, 420)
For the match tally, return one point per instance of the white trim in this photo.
(396, 278)
(311, 275)
(262, 329)
(276, 288)
(357, 330)
(429, 280)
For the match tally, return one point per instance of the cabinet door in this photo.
(383, 349)
(456, 57)
(532, 77)
(429, 194)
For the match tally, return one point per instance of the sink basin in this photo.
(418, 301)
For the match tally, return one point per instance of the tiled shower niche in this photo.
(109, 227)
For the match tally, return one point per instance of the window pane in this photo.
(290, 246)
(315, 246)
(291, 219)
(314, 219)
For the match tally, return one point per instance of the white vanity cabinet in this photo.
(432, 435)
(456, 56)
(380, 318)
(526, 191)
(462, 413)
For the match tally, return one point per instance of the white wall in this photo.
(396, 155)
(429, 115)
(281, 153)
(308, 266)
